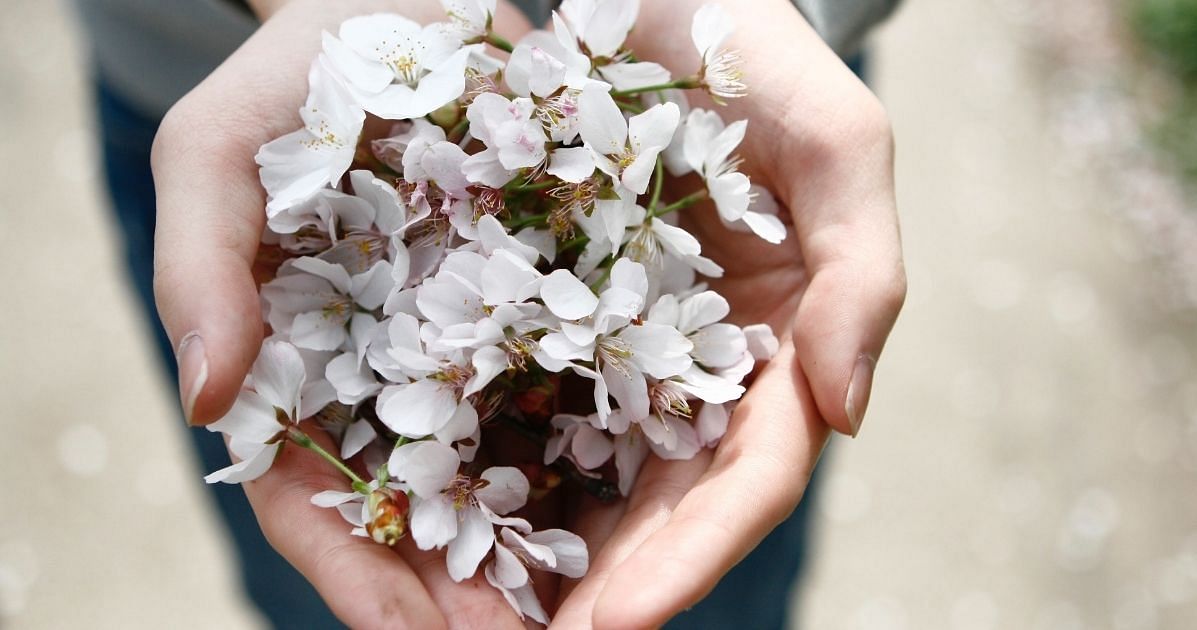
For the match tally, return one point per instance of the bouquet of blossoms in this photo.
(474, 248)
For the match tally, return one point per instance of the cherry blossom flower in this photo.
(395, 68)
(268, 403)
(553, 550)
(312, 300)
(720, 73)
(470, 18)
(708, 148)
(298, 164)
(455, 510)
(600, 331)
(625, 149)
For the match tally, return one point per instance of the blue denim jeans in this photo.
(755, 594)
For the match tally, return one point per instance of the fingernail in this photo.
(859, 389)
(193, 371)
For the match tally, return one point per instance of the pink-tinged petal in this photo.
(509, 571)
(572, 164)
(475, 537)
(333, 498)
(567, 296)
(507, 490)
(718, 345)
(536, 555)
(653, 130)
(279, 375)
(427, 467)
(252, 419)
(603, 127)
(246, 469)
(357, 436)
(484, 168)
(630, 451)
(433, 522)
(702, 309)
(488, 363)
(616, 424)
(710, 424)
(711, 27)
(762, 343)
(418, 409)
(591, 448)
(573, 559)
(442, 163)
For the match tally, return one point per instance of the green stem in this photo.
(658, 183)
(498, 42)
(575, 242)
(532, 187)
(684, 202)
(597, 284)
(687, 83)
(296, 435)
(459, 130)
(524, 222)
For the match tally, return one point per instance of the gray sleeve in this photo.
(844, 23)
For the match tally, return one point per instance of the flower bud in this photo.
(388, 516)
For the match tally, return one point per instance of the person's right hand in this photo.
(210, 219)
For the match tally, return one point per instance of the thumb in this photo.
(209, 222)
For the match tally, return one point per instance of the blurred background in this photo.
(1030, 455)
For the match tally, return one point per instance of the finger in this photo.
(365, 584)
(471, 603)
(757, 477)
(659, 488)
(210, 209)
(822, 142)
(210, 215)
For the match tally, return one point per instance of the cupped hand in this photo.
(821, 142)
(210, 219)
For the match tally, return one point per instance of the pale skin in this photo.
(817, 138)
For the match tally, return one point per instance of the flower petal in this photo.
(507, 490)
(418, 409)
(567, 296)
(475, 537)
